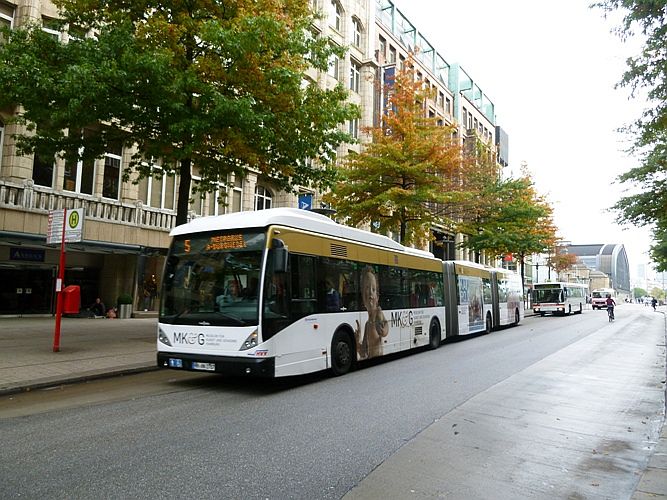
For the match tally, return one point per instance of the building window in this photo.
(112, 171)
(356, 33)
(79, 177)
(235, 203)
(334, 66)
(263, 198)
(355, 76)
(353, 128)
(336, 15)
(159, 189)
(196, 197)
(382, 51)
(215, 205)
(6, 17)
(42, 171)
(392, 55)
(52, 27)
(231, 200)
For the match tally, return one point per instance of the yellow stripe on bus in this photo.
(321, 245)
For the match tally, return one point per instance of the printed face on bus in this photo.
(369, 291)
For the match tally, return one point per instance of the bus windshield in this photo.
(213, 279)
(542, 295)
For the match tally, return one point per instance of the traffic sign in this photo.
(73, 226)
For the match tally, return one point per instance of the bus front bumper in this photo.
(226, 365)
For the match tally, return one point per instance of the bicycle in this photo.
(610, 313)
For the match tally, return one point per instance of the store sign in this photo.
(29, 254)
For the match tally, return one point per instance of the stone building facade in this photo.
(126, 226)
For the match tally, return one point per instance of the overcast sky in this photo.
(550, 68)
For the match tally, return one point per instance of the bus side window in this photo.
(349, 277)
(486, 291)
(395, 292)
(303, 286)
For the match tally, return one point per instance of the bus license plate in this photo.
(209, 367)
(175, 363)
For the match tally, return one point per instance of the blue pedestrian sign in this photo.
(305, 201)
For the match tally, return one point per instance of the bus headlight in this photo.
(250, 342)
(162, 337)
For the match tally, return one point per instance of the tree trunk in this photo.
(403, 228)
(183, 203)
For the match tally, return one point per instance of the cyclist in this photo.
(610, 307)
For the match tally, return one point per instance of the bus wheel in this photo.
(581, 308)
(434, 335)
(342, 353)
(489, 324)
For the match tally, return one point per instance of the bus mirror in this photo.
(280, 256)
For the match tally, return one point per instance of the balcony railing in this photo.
(26, 196)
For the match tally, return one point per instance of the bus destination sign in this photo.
(225, 242)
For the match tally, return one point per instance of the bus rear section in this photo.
(507, 293)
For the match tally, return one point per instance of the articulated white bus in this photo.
(559, 298)
(284, 292)
(486, 298)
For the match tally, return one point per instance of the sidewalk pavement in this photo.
(89, 348)
(96, 348)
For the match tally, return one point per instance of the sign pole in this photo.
(59, 287)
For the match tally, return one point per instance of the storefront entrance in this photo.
(27, 289)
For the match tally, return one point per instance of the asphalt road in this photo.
(173, 434)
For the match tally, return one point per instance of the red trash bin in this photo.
(71, 299)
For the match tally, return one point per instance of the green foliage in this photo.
(639, 292)
(124, 298)
(646, 71)
(215, 85)
(511, 218)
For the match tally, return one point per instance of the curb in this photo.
(94, 375)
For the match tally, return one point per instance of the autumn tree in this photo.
(218, 85)
(410, 172)
(512, 219)
(560, 260)
(646, 71)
